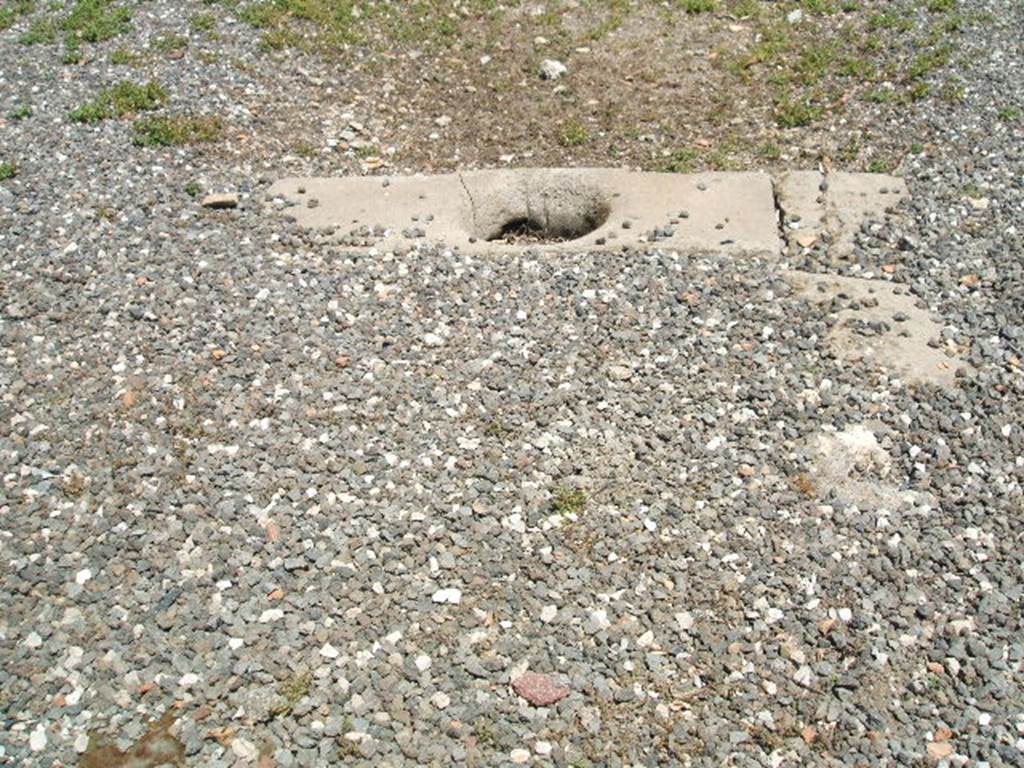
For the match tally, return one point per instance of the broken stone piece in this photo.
(221, 200)
(538, 689)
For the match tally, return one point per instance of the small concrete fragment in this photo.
(551, 69)
(880, 322)
(814, 205)
(220, 200)
(540, 690)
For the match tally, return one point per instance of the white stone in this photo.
(542, 747)
(599, 618)
(795, 17)
(548, 613)
(423, 662)
(685, 621)
(271, 614)
(188, 680)
(245, 749)
(519, 756)
(550, 69)
(81, 742)
(441, 700)
(37, 740)
(234, 643)
(328, 651)
(83, 576)
(451, 596)
(432, 340)
(645, 640)
(33, 640)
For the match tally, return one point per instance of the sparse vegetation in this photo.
(697, 6)
(177, 130)
(20, 112)
(192, 189)
(8, 171)
(125, 98)
(10, 13)
(292, 692)
(574, 134)
(202, 22)
(568, 501)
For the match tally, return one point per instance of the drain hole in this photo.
(562, 226)
(522, 230)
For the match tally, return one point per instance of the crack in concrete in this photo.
(472, 202)
(780, 215)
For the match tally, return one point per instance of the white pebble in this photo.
(423, 662)
(37, 740)
(271, 614)
(451, 596)
(83, 576)
(440, 700)
(685, 621)
(329, 651)
(33, 640)
(542, 747)
(548, 613)
(519, 756)
(234, 643)
(188, 680)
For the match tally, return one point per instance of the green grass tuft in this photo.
(568, 501)
(8, 171)
(125, 98)
(20, 112)
(177, 130)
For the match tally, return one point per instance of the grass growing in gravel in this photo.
(20, 112)
(177, 130)
(8, 171)
(9, 14)
(292, 691)
(125, 98)
(568, 501)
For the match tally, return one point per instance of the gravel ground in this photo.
(323, 509)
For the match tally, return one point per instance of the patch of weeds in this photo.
(192, 189)
(1010, 113)
(770, 151)
(10, 14)
(791, 113)
(484, 734)
(879, 165)
(8, 171)
(43, 31)
(916, 148)
(170, 43)
(177, 130)
(305, 149)
(880, 95)
(497, 428)
(292, 692)
(92, 21)
(574, 134)
(697, 6)
(125, 98)
(681, 161)
(941, 6)
(20, 112)
(929, 61)
(568, 501)
(202, 22)
(919, 91)
(124, 56)
(953, 91)
(891, 21)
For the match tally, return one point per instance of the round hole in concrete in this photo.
(538, 207)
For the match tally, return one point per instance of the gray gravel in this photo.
(320, 506)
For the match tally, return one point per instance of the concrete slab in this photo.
(835, 205)
(548, 209)
(879, 322)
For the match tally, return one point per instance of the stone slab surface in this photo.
(880, 322)
(730, 212)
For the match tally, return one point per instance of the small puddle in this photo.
(155, 748)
